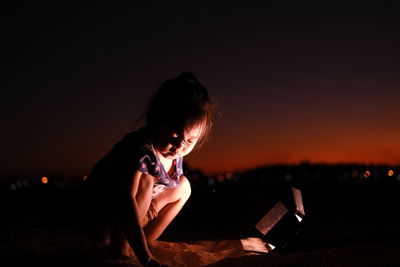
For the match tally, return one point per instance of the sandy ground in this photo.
(50, 243)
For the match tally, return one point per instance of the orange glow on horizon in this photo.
(335, 148)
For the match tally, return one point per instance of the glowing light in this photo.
(367, 174)
(390, 173)
(45, 180)
(229, 176)
(354, 174)
(211, 181)
(220, 178)
(271, 246)
(84, 177)
(255, 244)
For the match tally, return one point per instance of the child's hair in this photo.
(179, 104)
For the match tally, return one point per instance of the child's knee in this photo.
(186, 189)
(146, 182)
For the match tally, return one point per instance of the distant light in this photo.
(13, 187)
(367, 174)
(45, 180)
(390, 173)
(84, 177)
(354, 174)
(211, 181)
(229, 176)
(220, 178)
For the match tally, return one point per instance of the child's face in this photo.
(174, 146)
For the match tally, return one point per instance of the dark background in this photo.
(294, 81)
(308, 95)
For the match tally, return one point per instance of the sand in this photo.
(34, 243)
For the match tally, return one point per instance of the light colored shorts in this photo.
(150, 215)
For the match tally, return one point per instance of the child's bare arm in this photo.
(131, 222)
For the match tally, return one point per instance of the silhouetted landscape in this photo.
(345, 205)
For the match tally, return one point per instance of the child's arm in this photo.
(131, 222)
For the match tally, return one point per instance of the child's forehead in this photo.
(194, 131)
(191, 131)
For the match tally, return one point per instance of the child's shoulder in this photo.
(139, 138)
(131, 146)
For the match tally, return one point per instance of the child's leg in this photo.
(168, 205)
(118, 242)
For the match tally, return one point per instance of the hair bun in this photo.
(188, 77)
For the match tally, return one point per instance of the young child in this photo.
(138, 187)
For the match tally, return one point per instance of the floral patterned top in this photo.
(132, 153)
(149, 163)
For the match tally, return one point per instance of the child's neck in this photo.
(167, 163)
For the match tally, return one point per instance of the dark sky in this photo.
(294, 82)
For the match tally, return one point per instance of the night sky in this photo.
(293, 82)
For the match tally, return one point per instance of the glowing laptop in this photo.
(279, 227)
